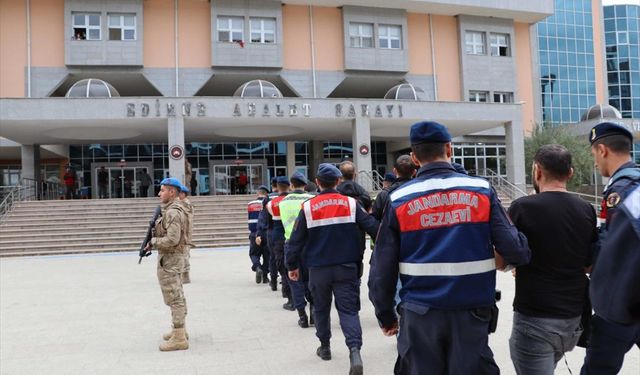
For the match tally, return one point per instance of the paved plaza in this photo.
(103, 314)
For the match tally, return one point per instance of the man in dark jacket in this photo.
(350, 188)
(405, 170)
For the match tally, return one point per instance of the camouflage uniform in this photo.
(170, 240)
(189, 210)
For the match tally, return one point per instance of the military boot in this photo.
(178, 341)
(274, 284)
(303, 320)
(168, 335)
(258, 275)
(185, 278)
(356, 362)
(324, 352)
(265, 278)
(289, 305)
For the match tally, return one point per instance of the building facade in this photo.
(328, 73)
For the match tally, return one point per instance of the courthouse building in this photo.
(262, 87)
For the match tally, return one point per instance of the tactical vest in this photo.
(446, 255)
(253, 212)
(290, 208)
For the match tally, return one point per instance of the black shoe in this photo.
(303, 320)
(324, 352)
(258, 275)
(274, 284)
(265, 278)
(312, 321)
(356, 362)
(288, 305)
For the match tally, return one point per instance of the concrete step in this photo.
(54, 229)
(27, 238)
(118, 242)
(131, 201)
(113, 206)
(44, 218)
(35, 251)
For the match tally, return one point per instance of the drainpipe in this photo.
(28, 10)
(175, 23)
(313, 53)
(433, 60)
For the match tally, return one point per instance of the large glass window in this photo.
(361, 35)
(390, 36)
(475, 43)
(122, 27)
(263, 30)
(230, 29)
(86, 26)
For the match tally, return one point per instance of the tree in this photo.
(577, 145)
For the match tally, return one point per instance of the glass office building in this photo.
(567, 63)
(622, 39)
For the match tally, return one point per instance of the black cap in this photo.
(428, 131)
(605, 129)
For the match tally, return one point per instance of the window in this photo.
(86, 26)
(263, 30)
(230, 29)
(122, 27)
(390, 36)
(502, 97)
(623, 37)
(361, 35)
(478, 96)
(500, 45)
(474, 43)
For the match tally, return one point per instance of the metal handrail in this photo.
(502, 184)
(370, 178)
(27, 189)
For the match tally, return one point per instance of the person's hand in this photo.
(258, 240)
(390, 331)
(294, 275)
(500, 263)
(148, 247)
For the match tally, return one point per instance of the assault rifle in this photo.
(152, 223)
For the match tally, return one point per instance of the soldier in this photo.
(289, 210)
(327, 229)
(438, 233)
(188, 206)
(615, 280)
(265, 225)
(257, 250)
(170, 239)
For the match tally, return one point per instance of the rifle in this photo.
(152, 223)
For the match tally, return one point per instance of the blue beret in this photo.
(297, 176)
(184, 189)
(328, 171)
(262, 187)
(605, 129)
(389, 177)
(428, 131)
(172, 181)
(282, 180)
(274, 180)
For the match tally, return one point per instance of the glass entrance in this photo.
(117, 182)
(237, 179)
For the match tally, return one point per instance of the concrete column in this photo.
(361, 135)
(514, 139)
(291, 157)
(27, 161)
(175, 131)
(316, 157)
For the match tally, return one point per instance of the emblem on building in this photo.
(176, 152)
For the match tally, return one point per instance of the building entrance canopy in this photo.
(117, 120)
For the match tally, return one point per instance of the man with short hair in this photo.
(404, 169)
(551, 289)
(388, 180)
(615, 280)
(349, 187)
(327, 230)
(439, 233)
(170, 239)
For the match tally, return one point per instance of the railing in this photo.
(28, 190)
(501, 184)
(370, 180)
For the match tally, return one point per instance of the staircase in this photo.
(106, 225)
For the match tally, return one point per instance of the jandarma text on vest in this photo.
(330, 202)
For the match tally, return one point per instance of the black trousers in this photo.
(277, 250)
(453, 342)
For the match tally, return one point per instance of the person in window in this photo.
(242, 183)
(69, 183)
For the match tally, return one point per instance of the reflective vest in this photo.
(446, 254)
(273, 207)
(333, 236)
(253, 212)
(290, 208)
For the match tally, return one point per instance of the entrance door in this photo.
(236, 179)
